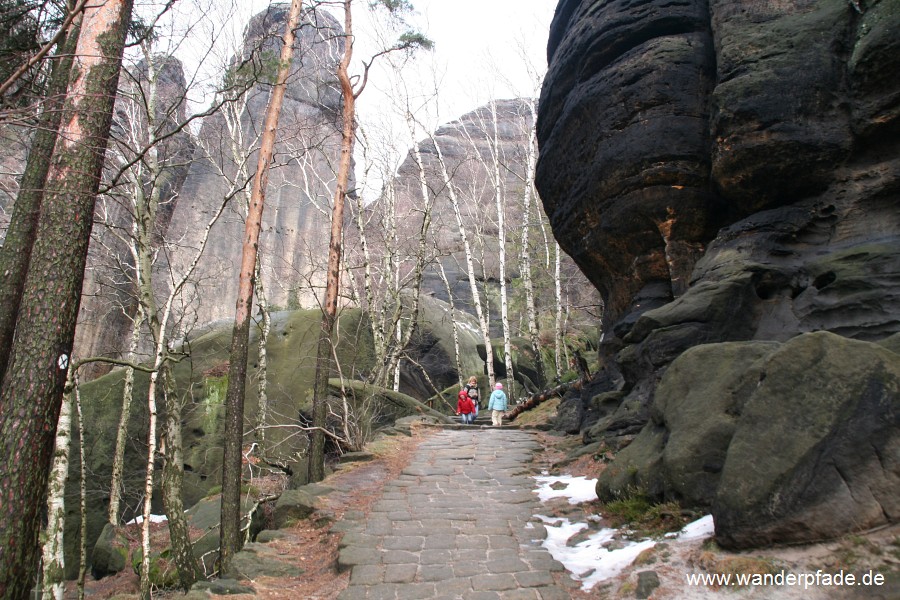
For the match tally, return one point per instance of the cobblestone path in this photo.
(455, 524)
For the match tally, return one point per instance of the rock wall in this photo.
(294, 236)
(108, 294)
(471, 147)
(470, 152)
(722, 172)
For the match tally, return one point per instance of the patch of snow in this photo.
(153, 519)
(577, 489)
(591, 560)
(699, 529)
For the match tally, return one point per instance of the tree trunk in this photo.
(148, 480)
(116, 485)
(470, 266)
(557, 328)
(32, 389)
(82, 497)
(499, 200)
(262, 414)
(527, 280)
(332, 278)
(230, 538)
(189, 570)
(54, 567)
(15, 253)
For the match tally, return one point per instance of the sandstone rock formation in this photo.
(724, 172)
(294, 239)
(109, 291)
(470, 152)
(493, 135)
(782, 441)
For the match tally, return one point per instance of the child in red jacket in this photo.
(465, 407)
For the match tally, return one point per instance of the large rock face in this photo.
(487, 153)
(108, 297)
(781, 441)
(723, 172)
(491, 135)
(294, 240)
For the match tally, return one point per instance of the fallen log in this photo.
(541, 397)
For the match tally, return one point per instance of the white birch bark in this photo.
(262, 414)
(557, 330)
(499, 200)
(54, 563)
(82, 496)
(470, 267)
(527, 282)
(116, 484)
(160, 355)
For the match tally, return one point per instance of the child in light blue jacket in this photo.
(497, 405)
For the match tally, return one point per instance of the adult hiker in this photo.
(497, 405)
(472, 389)
(464, 407)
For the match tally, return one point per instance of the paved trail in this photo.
(455, 524)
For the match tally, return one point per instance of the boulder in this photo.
(293, 506)
(816, 450)
(700, 400)
(780, 441)
(258, 560)
(110, 554)
(221, 587)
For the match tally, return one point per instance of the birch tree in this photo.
(54, 563)
(470, 263)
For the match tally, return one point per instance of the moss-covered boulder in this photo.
(163, 573)
(201, 379)
(110, 554)
(637, 469)
(258, 560)
(293, 506)
(700, 413)
(781, 441)
(816, 451)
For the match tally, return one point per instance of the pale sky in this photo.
(471, 37)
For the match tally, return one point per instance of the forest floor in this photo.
(660, 572)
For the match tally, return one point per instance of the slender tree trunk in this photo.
(32, 388)
(82, 496)
(54, 567)
(230, 535)
(527, 281)
(392, 358)
(189, 570)
(470, 267)
(15, 253)
(499, 200)
(332, 277)
(116, 485)
(557, 329)
(262, 413)
(148, 478)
